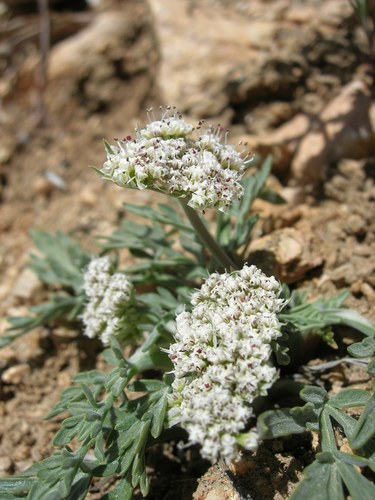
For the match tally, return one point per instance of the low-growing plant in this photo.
(219, 337)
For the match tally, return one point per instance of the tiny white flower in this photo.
(110, 307)
(169, 155)
(221, 359)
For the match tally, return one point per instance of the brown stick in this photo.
(41, 73)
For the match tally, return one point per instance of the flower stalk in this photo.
(206, 238)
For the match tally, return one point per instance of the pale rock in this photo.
(6, 466)
(359, 268)
(88, 197)
(368, 292)
(343, 130)
(355, 224)
(268, 116)
(285, 253)
(6, 152)
(261, 34)
(227, 42)
(220, 494)
(16, 374)
(61, 335)
(212, 62)
(109, 64)
(288, 217)
(300, 14)
(216, 484)
(21, 452)
(281, 143)
(7, 357)
(64, 379)
(28, 347)
(293, 195)
(42, 187)
(292, 131)
(333, 12)
(114, 47)
(27, 285)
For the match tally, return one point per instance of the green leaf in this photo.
(281, 353)
(60, 307)
(159, 412)
(108, 148)
(371, 367)
(144, 483)
(314, 395)
(128, 456)
(351, 459)
(365, 428)
(79, 489)
(351, 318)
(233, 229)
(359, 487)
(349, 398)
(16, 486)
(318, 315)
(64, 435)
(62, 261)
(317, 484)
(165, 215)
(272, 197)
(363, 349)
(8, 339)
(278, 423)
(146, 386)
(90, 396)
(122, 491)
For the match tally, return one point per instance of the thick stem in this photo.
(207, 239)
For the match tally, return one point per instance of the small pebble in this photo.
(88, 197)
(6, 466)
(368, 291)
(42, 187)
(7, 357)
(55, 180)
(27, 285)
(16, 374)
(355, 225)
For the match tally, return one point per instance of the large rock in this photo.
(285, 253)
(281, 143)
(109, 65)
(212, 61)
(303, 147)
(343, 130)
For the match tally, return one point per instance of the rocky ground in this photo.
(290, 78)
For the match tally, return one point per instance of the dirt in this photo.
(46, 183)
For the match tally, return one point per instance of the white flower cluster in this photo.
(221, 359)
(167, 156)
(110, 307)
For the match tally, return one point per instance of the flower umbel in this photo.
(110, 308)
(221, 359)
(169, 155)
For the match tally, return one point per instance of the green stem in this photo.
(207, 239)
